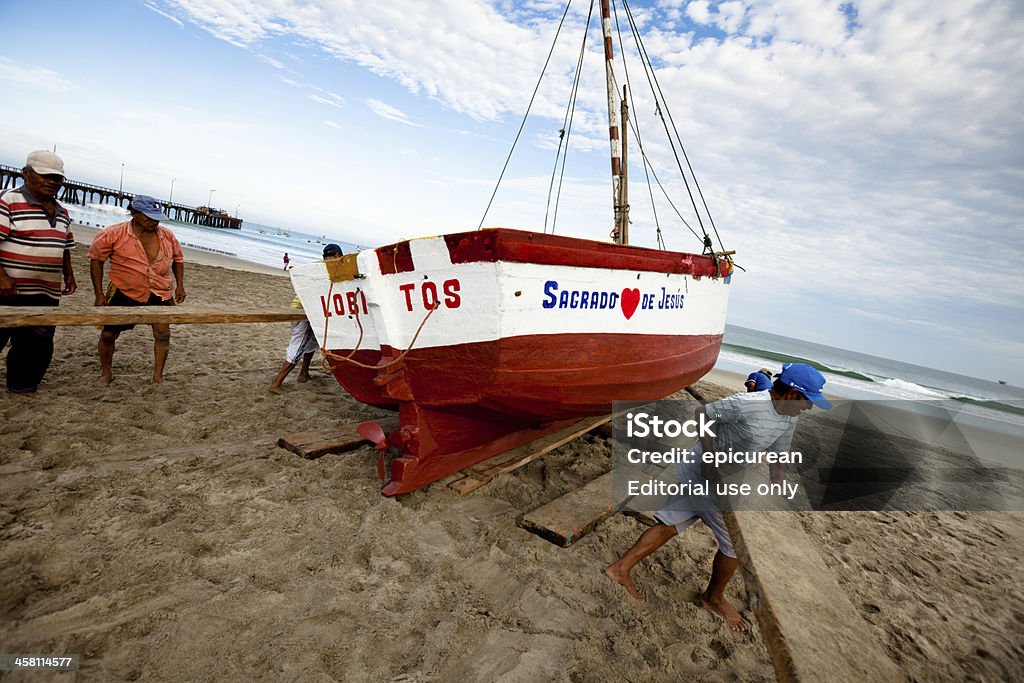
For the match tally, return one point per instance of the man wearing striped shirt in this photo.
(35, 257)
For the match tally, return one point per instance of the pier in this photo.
(74, 192)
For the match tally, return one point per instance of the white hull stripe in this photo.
(486, 301)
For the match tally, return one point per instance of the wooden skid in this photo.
(565, 520)
(29, 316)
(318, 442)
(812, 630)
(645, 518)
(479, 474)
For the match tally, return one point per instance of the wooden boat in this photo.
(487, 339)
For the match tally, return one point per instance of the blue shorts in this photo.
(683, 519)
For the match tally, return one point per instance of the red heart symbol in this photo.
(630, 300)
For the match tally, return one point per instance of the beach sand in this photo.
(160, 533)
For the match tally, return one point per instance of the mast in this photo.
(622, 213)
(613, 125)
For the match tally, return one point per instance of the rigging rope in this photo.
(567, 126)
(526, 115)
(661, 107)
(636, 129)
(653, 80)
(325, 354)
(668, 198)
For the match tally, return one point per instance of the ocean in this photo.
(256, 243)
(850, 375)
(859, 376)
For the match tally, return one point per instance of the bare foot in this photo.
(725, 610)
(26, 394)
(103, 381)
(158, 380)
(303, 378)
(274, 389)
(618, 576)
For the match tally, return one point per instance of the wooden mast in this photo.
(613, 123)
(623, 209)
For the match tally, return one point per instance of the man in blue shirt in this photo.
(759, 381)
(759, 421)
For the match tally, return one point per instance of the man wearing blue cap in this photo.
(142, 255)
(759, 381)
(752, 421)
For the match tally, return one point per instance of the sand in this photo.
(160, 533)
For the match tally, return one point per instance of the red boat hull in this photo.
(487, 339)
(475, 400)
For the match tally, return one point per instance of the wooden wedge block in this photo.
(517, 457)
(645, 518)
(318, 442)
(565, 520)
(479, 474)
(812, 630)
(465, 484)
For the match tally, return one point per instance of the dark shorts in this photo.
(120, 299)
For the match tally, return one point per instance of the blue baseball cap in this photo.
(807, 381)
(332, 250)
(148, 207)
(760, 380)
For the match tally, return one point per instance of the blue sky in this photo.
(865, 159)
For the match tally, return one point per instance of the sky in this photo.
(864, 159)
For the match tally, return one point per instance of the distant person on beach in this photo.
(286, 260)
(762, 421)
(35, 254)
(759, 381)
(142, 255)
(303, 342)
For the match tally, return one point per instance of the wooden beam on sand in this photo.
(30, 316)
(565, 520)
(318, 442)
(812, 630)
(479, 474)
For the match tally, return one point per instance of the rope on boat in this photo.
(526, 115)
(639, 139)
(653, 81)
(349, 359)
(324, 353)
(566, 130)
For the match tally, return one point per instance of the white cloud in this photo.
(33, 77)
(730, 15)
(330, 123)
(388, 112)
(466, 55)
(271, 61)
(239, 22)
(159, 11)
(325, 100)
(698, 10)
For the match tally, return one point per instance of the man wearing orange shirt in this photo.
(142, 255)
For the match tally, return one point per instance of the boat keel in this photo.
(430, 444)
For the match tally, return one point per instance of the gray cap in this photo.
(44, 162)
(149, 207)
